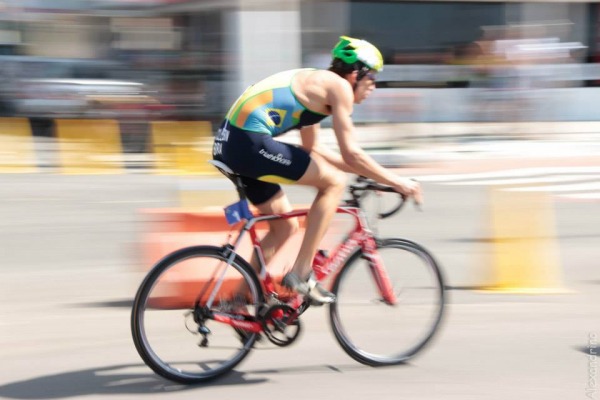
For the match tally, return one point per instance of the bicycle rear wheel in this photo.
(373, 332)
(165, 332)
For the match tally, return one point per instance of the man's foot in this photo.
(311, 288)
(238, 305)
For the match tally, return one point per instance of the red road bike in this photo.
(390, 298)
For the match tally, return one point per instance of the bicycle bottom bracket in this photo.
(281, 325)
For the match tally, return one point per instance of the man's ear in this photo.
(352, 77)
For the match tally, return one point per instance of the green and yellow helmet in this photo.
(351, 50)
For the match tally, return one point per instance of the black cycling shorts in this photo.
(262, 161)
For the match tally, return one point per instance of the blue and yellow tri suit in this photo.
(245, 140)
(270, 107)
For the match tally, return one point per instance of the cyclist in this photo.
(300, 99)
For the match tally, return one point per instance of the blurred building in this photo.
(188, 59)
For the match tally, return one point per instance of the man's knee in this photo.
(334, 181)
(285, 228)
(292, 226)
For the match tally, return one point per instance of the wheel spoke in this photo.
(172, 331)
(374, 332)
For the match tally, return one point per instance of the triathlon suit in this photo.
(245, 140)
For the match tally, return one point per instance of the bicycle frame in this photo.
(360, 236)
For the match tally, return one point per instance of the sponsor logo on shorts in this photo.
(278, 158)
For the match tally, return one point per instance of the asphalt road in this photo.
(71, 265)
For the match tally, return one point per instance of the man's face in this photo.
(364, 86)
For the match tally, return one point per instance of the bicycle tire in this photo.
(363, 338)
(155, 296)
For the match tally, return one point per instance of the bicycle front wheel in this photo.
(169, 314)
(374, 332)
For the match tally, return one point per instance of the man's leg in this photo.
(330, 183)
(279, 230)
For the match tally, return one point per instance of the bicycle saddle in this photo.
(221, 166)
(232, 176)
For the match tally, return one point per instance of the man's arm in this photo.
(341, 101)
(310, 143)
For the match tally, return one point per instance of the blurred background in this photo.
(183, 59)
(107, 113)
(136, 62)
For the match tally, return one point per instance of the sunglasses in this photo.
(368, 74)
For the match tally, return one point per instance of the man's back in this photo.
(272, 107)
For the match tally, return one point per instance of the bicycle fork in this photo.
(378, 271)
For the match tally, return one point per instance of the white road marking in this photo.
(582, 196)
(523, 181)
(580, 187)
(514, 173)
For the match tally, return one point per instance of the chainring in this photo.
(281, 325)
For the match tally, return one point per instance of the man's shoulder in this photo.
(326, 75)
(323, 87)
(330, 80)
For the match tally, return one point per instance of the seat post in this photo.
(239, 187)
